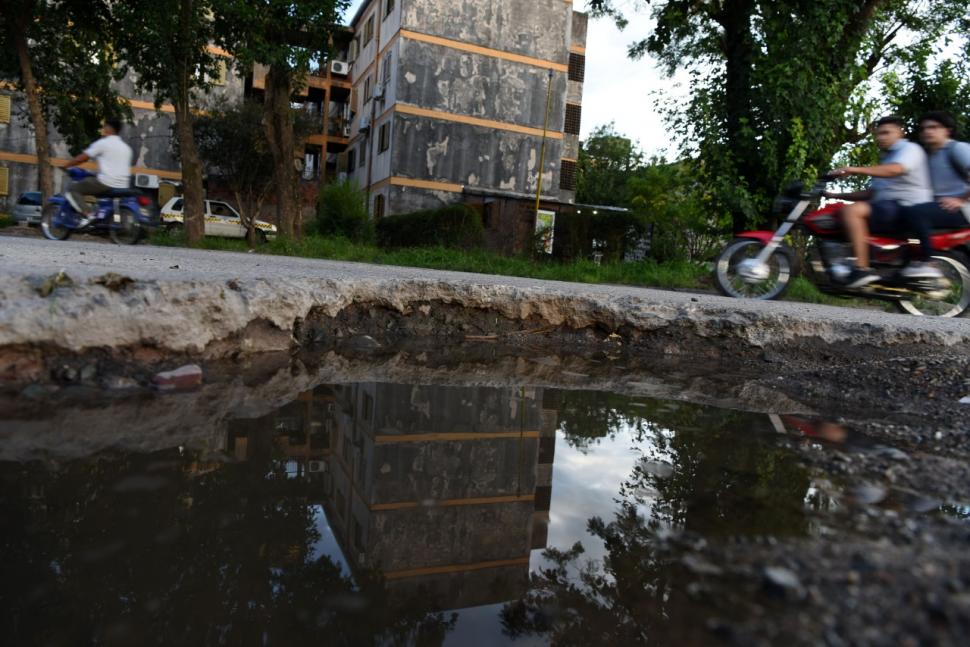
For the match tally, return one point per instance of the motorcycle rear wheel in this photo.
(781, 271)
(956, 268)
(50, 229)
(126, 230)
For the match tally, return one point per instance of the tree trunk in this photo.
(193, 206)
(34, 105)
(738, 47)
(278, 118)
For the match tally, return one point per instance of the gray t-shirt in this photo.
(946, 182)
(913, 186)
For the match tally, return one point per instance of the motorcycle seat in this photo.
(120, 193)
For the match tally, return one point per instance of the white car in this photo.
(220, 220)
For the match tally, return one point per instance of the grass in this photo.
(670, 275)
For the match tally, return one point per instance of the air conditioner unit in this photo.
(347, 130)
(316, 467)
(146, 181)
(364, 124)
(379, 91)
(340, 67)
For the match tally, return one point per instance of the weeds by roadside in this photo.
(670, 275)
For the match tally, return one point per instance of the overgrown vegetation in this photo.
(342, 211)
(455, 226)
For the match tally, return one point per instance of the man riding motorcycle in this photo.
(114, 158)
(949, 163)
(901, 179)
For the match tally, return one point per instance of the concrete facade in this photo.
(450, 96)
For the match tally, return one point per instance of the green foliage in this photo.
(607, 160)
(610, 233)
(342, 211)
(6, 221)
(777, 88)
(920, 90)
(73, 66)
(456, 226)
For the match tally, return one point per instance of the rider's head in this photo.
(112, 126)
(936, 128)
(889, 130)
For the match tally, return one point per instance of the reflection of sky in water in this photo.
(586, 484)
(327, 545)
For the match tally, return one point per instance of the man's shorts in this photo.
(885, 217)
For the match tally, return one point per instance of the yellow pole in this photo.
(542, 153)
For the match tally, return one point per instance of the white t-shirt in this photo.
(114, 161)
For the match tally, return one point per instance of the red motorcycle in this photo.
(760, 265)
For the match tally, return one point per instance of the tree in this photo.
(777, 88)
(607, 161)
(65, 74)
(286, 36)
(166, 43)
(232, 144)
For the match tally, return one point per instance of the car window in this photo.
(30, 199)
(177, 205)
(221, 209)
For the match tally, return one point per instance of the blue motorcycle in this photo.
(124, 214)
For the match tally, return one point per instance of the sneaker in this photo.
(860, 278)
(920, 270)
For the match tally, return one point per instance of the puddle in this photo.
(406, 514)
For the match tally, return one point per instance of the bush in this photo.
(614, 233)
(6, 221)
(456, 226)
(342, 211)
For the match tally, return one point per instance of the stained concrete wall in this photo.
(536, 28)
(445, 151)
(464, 83)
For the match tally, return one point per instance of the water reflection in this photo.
(400, 514)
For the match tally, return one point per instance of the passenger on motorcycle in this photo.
(949, 172)
(114, 169)
(900, 179)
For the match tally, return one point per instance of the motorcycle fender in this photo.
(56, 199)
(764, 237)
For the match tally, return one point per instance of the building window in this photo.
(577, 67)
(386, 76)
(369, 30)
(384, 138)
(367, 83)
(379, 207)
(4, 108)
(363, 154)
(388, 7)
(351, 160)
(567, 175)
(4, 180)
(574, 118)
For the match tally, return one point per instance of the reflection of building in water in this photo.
(443, 490)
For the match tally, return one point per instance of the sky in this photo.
(618, 89)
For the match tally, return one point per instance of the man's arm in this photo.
(882, 170)
(78, 160)
(854, 196)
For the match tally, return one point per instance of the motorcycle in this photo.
(125, 214)
(762, 265)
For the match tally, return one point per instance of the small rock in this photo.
(869, 494)
(114, 282)
(88, 373)
(893, 453)
(120, 383)
(173, 267)
(185, 377)
(783, 583)
(965, 400)
(51, 283)
(364, 342)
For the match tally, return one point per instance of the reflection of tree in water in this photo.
(133, 551)
(704, 472)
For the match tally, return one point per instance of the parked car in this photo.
(28, 207)
(220, 220)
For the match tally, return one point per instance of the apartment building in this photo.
(449, 103)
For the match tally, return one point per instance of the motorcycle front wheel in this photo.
(956, 302)
(126, 230)
(48, 225)
(776, 281)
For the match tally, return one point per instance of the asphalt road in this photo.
(31, 256)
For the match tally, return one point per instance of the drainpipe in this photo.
(373, 103)
(542, 154)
